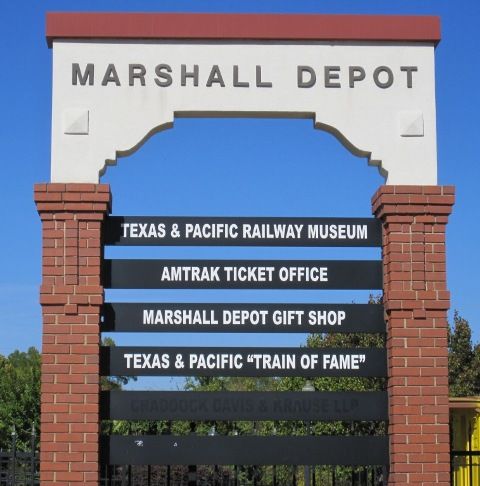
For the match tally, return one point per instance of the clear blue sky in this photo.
(228, 167)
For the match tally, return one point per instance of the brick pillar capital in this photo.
(85, 200)
(401, 203)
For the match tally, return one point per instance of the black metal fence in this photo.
(19, 468)
(242, 476)
(22, 469)
(465, 468)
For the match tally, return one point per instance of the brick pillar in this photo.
(71, 296)
(416, 303)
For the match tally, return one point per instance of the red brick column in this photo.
(71, 298)
(416, 303)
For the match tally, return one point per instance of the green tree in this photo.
(463, 359)
(20, 394)
(19, 397)
(336, 384)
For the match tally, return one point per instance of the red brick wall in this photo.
(416, 303)
(71, 299)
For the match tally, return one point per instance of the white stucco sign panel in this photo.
(377, 98)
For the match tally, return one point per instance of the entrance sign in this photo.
(176, 317)
(171, 405)
(243, 274)
(368, 80)
(182, 231)
(377, 98)
(346, 451)
(307, 362)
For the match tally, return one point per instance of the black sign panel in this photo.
(245, 450)
(220, 231)
(243, 274)
(191, 317)
(197, 405)
(307, 362)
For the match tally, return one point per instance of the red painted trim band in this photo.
(84, 25)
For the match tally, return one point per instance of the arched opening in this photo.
(263, 118)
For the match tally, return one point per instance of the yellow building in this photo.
(465, 437)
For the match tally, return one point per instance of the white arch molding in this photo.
(110, 95)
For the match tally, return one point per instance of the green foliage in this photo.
(234, 383)
(336, 384)
(19, 397)
(463, 359)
